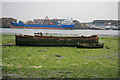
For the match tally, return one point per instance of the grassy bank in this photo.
(59, 62)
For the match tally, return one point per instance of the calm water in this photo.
(104, 33)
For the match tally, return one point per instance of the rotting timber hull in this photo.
(83, 42)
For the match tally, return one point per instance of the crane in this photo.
(47, 19)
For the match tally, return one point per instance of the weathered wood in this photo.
(40, 40)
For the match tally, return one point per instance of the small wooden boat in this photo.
(39, 40)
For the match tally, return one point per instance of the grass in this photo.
(59, 62)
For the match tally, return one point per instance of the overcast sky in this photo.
(82, 11)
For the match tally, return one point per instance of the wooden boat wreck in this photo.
(39, 40)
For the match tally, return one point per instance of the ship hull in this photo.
(20, 27)
(37, 26)
(84, 42)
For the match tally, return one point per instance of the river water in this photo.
(100, 33)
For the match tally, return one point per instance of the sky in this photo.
(81, 11)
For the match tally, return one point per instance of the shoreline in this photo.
(100, 33)
(13, 34)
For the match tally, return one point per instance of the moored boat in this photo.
(45, 24)
(39, 40)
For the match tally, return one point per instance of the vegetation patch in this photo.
(59, 62)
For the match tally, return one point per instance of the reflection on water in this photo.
(8, 31)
